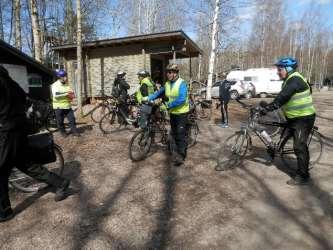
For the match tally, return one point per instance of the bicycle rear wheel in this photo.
(233, 151)
(99, 112)
(140, 144)
(315, 146)
(111, 122)
(27, 184)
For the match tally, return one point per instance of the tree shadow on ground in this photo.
(161, 235)
(90, 222)
(290, 213)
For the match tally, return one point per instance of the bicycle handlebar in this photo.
(244, 105)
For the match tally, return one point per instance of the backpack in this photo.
(115, 90)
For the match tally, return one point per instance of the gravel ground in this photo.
(117, 204)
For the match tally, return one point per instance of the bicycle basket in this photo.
(41, 149)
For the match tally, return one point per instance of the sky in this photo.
(294, 8)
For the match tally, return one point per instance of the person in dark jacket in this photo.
(14, 142)
(295, 99)
(224, 96)
(120, 91)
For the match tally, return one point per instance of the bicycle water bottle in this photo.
(266, 137)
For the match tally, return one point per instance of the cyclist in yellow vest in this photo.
(295, 100)
(62, 96)
(147, 87)
(176, 92)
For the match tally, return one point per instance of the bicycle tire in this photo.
(27, 184)
(98, 112)
(144, 140)
(315, 145)
(233, 151)
(110, 123)
(192, 134)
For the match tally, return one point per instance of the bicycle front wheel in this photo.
(110, 123)
(25, 183)
(140, 144)
(233, 151)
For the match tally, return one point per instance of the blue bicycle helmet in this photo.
(61, 73)
(287, 62)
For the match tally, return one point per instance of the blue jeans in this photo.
(60, 116)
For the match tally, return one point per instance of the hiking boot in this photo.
(299, 181)
(8, 215)
(61, 192)
(177, 160)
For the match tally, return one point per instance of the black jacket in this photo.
(224, 89)
(123, 87)
(12, 104)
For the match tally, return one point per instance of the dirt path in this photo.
(151, 205)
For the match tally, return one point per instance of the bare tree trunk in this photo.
(213, 51)
(17, 27)
(79, 57)
(36, 30)
(1, 23)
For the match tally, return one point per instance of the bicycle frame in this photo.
(252, 126)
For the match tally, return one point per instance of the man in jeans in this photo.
(62, 95)
(14, 143)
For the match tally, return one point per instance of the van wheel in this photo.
(263, 95)
(234, 94)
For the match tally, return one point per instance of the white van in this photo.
(265, 80)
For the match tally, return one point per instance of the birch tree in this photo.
(1, 23)
(17, 26)
(36, 31)
(79, 57)
(213, 51)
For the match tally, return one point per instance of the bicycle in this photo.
(116, 119)
(157, 124)
(27, 184)
(103, 107)
(202, 108)
(237, 145)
